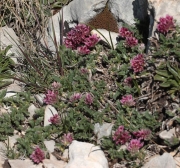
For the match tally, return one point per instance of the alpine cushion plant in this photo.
(124, 32)
(38, 155)
(80, 39)
(88, 99)
(75, 97)
(137, 63)
(127, 100)
(165, 24)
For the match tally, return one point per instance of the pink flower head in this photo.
(137, 63)
(128, 81)
(55, 119)
(127, 100)
(88, 99)
(83, 50)
(76, 36)
(165, 24)
(134, 145)
(51, 97)
(124, 32)
(37, 156)
(55, 85)
(67, 139)
(143, 134)
(131, 41)
(75, 97)
(91, 40)
(121, 136)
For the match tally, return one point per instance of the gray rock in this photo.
(40, 98)
(32, 108)
(24, 163)
(12, 140)
(50, 145)
(49, 112)
(127, 10)
(103, 130)
(53, 164)
(107, 37)
(167, 135)
(8, 37)
(86, 155)
(164, 161)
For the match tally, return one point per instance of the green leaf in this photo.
(160, 78)
(165, 84)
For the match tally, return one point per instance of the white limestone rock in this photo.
(40, 98)
(32, 108)
(167, 135)
(8, 37)
(50, 111)
(53, 164)
(103, 130)
(107, 39)
(49, 145)
(127, 10)
(164, 161)
(86, 155)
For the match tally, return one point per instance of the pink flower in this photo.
(83, 50)
(137, 63)
(124, 32)
(134, 145)
(55, 85)
(88, 99)
(144, 134)
(127, 100)
(75, 97)
(91, 40)
(67, 139)
(55, 119)
(131, 41)
(165, 24)
(121, 136)
(128, 81)
(37, 156)
(76, 36)
(51, 97)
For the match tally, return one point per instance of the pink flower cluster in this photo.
(131, 41)
(165, 24)
(51, 97)
(143, 134)
(127, 100)
(122, 136)
(137, 63)
(75, 97)
(37, 156)
(55, 119)
(80, 38)
(67, 139)
(88, 98)
(134, 145)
